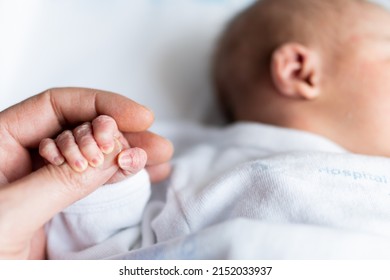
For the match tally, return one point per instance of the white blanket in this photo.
(257, 191)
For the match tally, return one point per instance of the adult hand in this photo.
(29, 199)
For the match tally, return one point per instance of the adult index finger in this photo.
(47, 113)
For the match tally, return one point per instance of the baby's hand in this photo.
(86, 145)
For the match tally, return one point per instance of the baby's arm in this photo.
(86, 145)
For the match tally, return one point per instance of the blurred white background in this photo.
(154, 51)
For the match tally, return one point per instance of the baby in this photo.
(306, 82)
(318, 66)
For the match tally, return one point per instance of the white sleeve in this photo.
(105, 223)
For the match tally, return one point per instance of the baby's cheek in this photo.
(375, 81)
(369, 78)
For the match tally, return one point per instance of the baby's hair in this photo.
(243, 54)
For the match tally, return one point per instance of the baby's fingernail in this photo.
(132, 160)
(125, 161)
(97, 161)
(108, 148)
(119, 144)
(128, 161)
(80, 165)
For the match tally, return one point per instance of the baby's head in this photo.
(317, 65)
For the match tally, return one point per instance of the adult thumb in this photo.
(27, 204)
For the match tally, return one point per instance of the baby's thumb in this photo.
(130, 162)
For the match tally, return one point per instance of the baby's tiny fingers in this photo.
(66, 143)
(49, 151)
(104, 131)
(132, 160)
(87, 144)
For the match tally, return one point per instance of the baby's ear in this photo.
(295, 71)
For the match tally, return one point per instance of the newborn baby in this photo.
(317, 66)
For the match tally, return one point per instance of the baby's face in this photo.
(361, 82)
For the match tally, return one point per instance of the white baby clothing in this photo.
(245, 191)
(105, 223)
